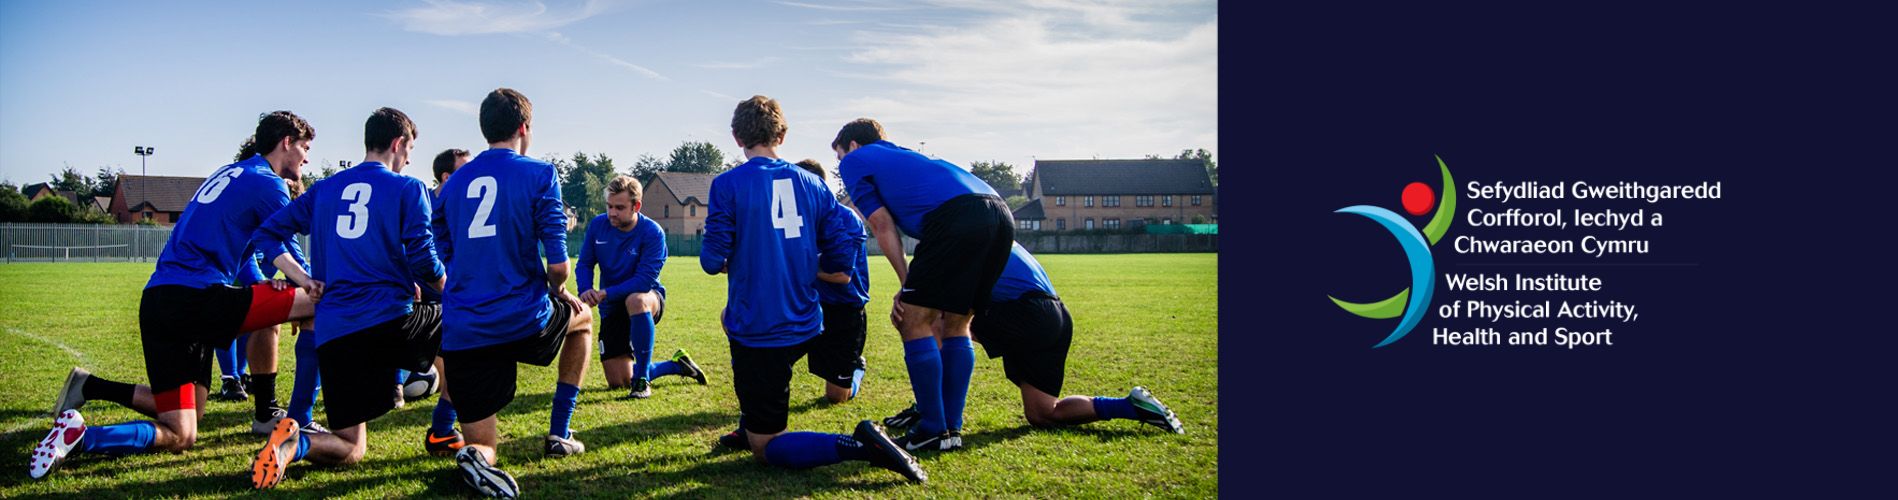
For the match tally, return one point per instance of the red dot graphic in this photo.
(1418, 198)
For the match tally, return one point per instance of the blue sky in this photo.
(82, 82)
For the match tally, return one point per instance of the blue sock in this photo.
(443, 422)
(227, 361)
(401, 376)
(303, 446)
(119, 439)
(925, 380)
(309, 378)
(641, 337)
(856, 382)
(803, 450)
(958, 364)
(1112, 408)
(565, 398)
(664, 368)
(240, 350)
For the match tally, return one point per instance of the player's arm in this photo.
(551, 222)
(652, 258)
(720, 226)
(840, 237)
(438, 218)
(278, 233)
(418, 243)
(584, 271)
(890, 241)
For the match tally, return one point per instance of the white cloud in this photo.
(752, 64)
(463, 107)
(853, 6)
(451, 17)
(556, 37)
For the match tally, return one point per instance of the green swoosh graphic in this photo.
(1383, 309)
(1439, 224)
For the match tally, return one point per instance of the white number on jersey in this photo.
(485, 189)
(216, 184)
(784, 209)
(353, 224)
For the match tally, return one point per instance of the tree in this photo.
(696, 156)
(1016, 201)
(645, 167)
(1000, 175)
(583, 185)
(52, 209)
(71, 180)
(1204, 156)
(12, 203)
(107, 181)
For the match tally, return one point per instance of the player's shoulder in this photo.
(647, 225)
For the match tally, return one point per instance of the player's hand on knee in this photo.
(896, 311)
(593, 297)
(314, 290)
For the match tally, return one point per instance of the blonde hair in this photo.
(624, 184)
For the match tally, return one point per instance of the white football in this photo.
(420, 385)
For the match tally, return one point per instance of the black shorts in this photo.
(181, 327)
(1031, 334)
(481, 381)
(837, 353)
(762, 378)
(965, 244)
(616, 327)
(356, 386)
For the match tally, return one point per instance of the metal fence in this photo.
(132, 243)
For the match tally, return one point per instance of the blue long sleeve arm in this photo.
(417, 241)
(551, 221)
(583, 270)
(717, 246)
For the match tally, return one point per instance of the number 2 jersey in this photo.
(767, 223)
(488, 218)
(369, 241)
(211, 242)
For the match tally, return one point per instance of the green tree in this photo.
(107, 181)
(645, 167)
(53, 209)
(583, 182)
(1204, 156)
(12, 203)
(71, 180)
(310, 176)
(696, 156)
(1000, 175)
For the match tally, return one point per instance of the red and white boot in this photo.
(68, 429)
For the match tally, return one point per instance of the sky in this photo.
(83, 82)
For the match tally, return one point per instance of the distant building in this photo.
(1115, 194)
(159, 198)
(678, 201)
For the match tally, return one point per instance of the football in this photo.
(419, 385)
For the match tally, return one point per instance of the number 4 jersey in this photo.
(488, 218)
(211, 242)
(768, 221)
(369, 241)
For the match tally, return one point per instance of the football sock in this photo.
(240, 354)
(803, 450)
(99, 389)
(227, 360)
(443, 422)
(401, 376)
(641, 336)
(958, 364)
(303, 446)
(309, 378)
(1111, 408)
(565, 398)
(856, 382)
(664, 368)
(263, 393)
(925, 380)
(119, 439)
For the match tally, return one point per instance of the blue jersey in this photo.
(429, 293)
(492, 213)
(1022, 275)
(262, 267)
(211, 242)
(857, 291)
(369, 228)
(767, 223)
(629, 260)
(910, 185)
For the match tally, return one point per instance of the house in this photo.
(678, 201)
(1116, 194)
(33, 191)
(159, 198)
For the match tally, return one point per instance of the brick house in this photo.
(160, 198)
(1116, 194)
(677, 200)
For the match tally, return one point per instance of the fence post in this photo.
(95, 242)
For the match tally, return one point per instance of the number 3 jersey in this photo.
(767, 223)
(488, 218)
(211, 242)
(369, 244)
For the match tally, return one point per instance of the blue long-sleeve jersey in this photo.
(429, 293)
(492, 213)
(629, 260)
(369, 230)
(768, 222)
(211, 242)
(1022, 274)
(857, 291)
(254, 270)
(910, 185)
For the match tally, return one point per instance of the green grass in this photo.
(1139, 320)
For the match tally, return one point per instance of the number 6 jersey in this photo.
(211, 242)
(488, 219)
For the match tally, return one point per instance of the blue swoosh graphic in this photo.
(1422, 268)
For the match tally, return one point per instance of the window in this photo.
(668, 211)
(1060, 224)
(1090, 223)
(1110, 201)
(1087, 201)
(1060, 201)
(1112, 223)
(1143, 200)
(1196, 200)
(692, 210)
(1026, 225)
(1166, 201)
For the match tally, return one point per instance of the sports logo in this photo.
(1411, 303)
